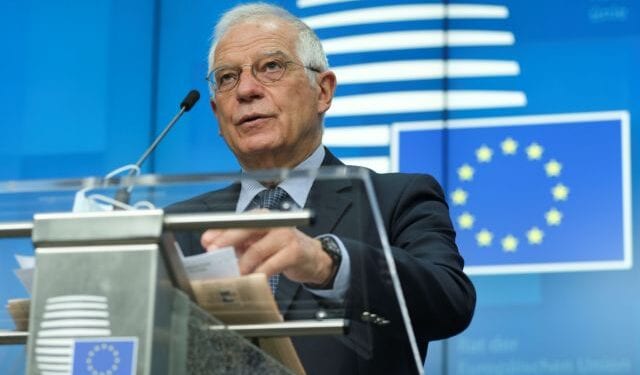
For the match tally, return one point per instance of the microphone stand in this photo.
(123, 194)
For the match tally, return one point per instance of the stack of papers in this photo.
(19, 311)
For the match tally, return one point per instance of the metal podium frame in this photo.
(93, 231)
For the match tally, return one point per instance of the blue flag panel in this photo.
(105, 355)
(532, 193)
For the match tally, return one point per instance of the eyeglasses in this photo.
(267, 70)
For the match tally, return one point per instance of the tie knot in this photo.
(275, 198)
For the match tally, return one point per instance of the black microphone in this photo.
(190, 100)
(122, 195)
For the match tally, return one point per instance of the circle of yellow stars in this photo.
(97, 349)
(534, 235)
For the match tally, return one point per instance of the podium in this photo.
(111, 294)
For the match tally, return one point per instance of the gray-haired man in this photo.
(270, 88)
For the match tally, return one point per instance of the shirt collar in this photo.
(298, 188)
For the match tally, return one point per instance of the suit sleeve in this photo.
(439, 296)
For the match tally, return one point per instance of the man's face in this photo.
(276, 124)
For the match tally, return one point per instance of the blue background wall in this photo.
(87, 85)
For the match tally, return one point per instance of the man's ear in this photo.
(327, 84)
(213, 105)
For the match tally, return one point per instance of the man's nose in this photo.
(248, 86)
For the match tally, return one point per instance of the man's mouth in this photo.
(252, 118)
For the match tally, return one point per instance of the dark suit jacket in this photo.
(439, 296)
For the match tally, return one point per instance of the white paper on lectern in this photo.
(25, 272)
(26, 261)
(220, 263)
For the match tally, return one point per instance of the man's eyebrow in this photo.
(276, 53)
(220, 67)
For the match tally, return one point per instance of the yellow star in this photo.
(560, 192)
(534, 151)
(553, 217)
(509, 243)
(465, 221)
(553, 168)
(459, 197)
(484, 154)
(535, 235)
(484, 238)
(509, 146)
(465, 172)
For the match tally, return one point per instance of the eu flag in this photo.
(533, 193)
(105, 355)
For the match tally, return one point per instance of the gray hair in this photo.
(308, 46)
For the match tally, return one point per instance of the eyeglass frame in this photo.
(239, 68)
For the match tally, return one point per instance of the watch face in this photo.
(330, 246)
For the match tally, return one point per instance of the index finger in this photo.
(237, 237)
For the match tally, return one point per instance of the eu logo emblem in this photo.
(105, 356)
(527, 194)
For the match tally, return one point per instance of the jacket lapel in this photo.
(224, 200)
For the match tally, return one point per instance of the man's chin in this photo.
(259, 147)
(258, 156)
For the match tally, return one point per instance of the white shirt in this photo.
(298, 189)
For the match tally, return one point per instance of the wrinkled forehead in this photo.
(246, 41)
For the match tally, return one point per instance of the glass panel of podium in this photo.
(111, 274)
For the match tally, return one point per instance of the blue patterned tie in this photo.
(273, 199)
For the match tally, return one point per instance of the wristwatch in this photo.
(331, 247)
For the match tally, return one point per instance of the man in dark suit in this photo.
(270, 88)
